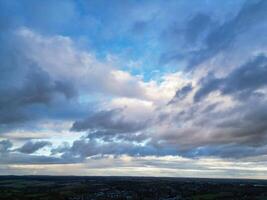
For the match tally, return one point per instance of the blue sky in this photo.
(148, 88)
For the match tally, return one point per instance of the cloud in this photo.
(171, 166)
(23, 155)
(37, 88)
(197, 26)
(31, 147)
(85, 148)
(111, 124)
(25, 85)
(192, 125)
(65, 79)
(10, 156)
(204, 38)
(182, 93)
(214, 129)
(26, 159)
(5, 145)
(242, 82)
(50, 72)
(108, 120)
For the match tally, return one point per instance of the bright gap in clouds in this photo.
(158, 88)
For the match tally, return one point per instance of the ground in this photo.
(135, 188)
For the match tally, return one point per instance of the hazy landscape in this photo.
(125, 188)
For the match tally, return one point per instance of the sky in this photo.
(134, 88)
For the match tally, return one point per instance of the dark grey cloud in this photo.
(249, 127)
(35, 87)
(26, 88)
(31, 147)
(27, 91)
(18, 97)
(228, 151)
(196, 27)
(84, 148)
(181, 93)
(207, 37)
(25, 159)
(23, 155)
(242, 82)
(109, 123)
(5, 145)
(215, 130)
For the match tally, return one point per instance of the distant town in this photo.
(128, 188)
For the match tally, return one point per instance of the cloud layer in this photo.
(141, 84)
